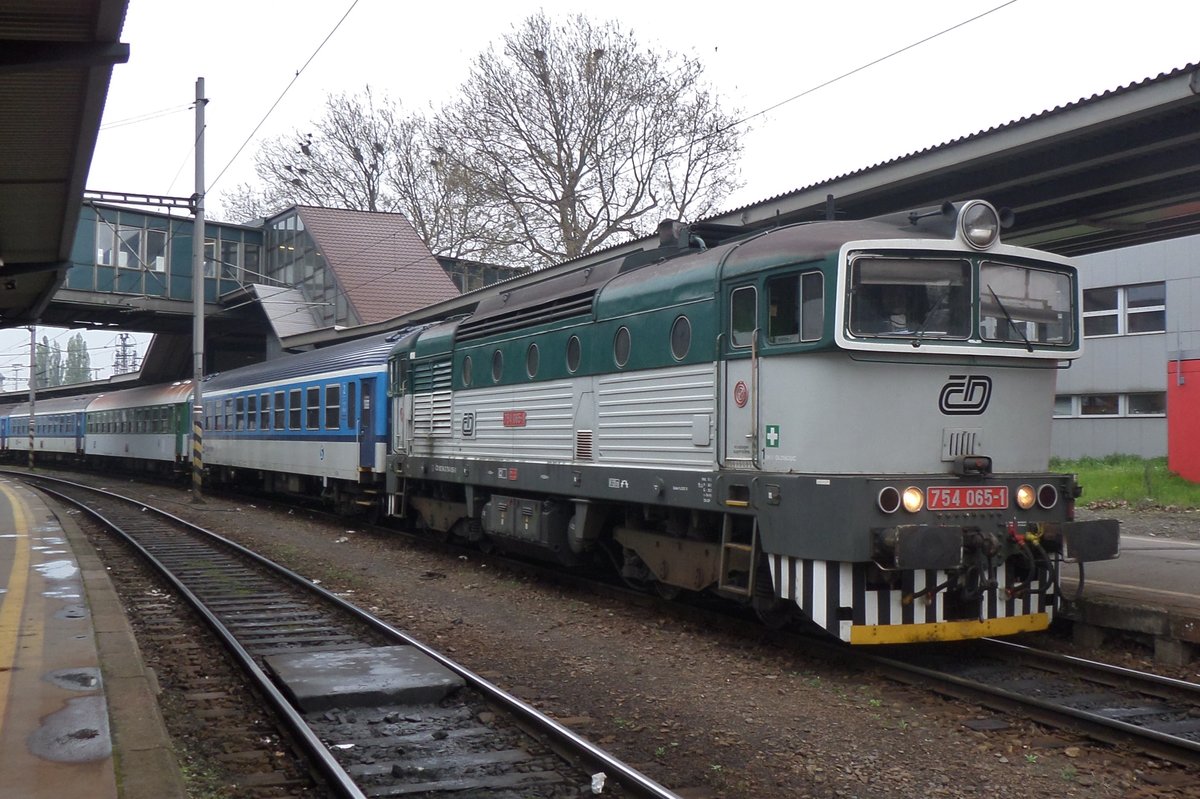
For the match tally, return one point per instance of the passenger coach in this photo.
(308, 424)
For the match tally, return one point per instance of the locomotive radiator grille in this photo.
(583, 445)
(822, 588)
(957, 442)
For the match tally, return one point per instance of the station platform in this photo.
(78, 713)
(1151, 591)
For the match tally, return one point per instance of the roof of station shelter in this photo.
(380, 262)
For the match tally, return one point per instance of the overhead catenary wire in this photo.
(282, 94)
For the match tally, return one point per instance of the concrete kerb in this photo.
(143, 757)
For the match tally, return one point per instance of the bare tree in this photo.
(580, 138)
(366, 154)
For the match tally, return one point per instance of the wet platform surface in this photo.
(72, 685)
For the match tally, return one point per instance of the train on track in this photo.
(844, 421)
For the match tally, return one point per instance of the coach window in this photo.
(229, 423)
(264, 409)
(531, 360)
(294, 409)
(240, 414)
(466, 370)
(351, 406)
(252, 412)
(280, 410)
(574, 354)
(333, 407)
(681, 337)
(743, 314)
(622, 345)
(497, 366)
(312, 420)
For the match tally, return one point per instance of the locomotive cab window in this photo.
(1025, 306)
(910, 298)
(796, 308)
(743, 316)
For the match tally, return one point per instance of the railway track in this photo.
(1156, 715)
(374, 711)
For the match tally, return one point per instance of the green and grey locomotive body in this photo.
(848, 420)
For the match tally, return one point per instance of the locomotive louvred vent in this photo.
(957, 442)
(583, 445)
(552, 310)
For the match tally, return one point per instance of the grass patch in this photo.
(1130, 481)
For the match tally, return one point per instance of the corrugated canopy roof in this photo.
(56, 59)
(381, 264)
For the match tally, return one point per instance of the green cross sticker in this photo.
(772, 435)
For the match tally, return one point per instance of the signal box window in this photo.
(796, 308)
(743, 316)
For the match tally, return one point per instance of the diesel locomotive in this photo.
(847, 421)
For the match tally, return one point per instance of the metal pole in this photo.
(198, 304)
(32, 385)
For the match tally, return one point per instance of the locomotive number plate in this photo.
(967, 497)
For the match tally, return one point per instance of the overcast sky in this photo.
(1020, 59)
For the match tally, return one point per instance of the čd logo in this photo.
(965, 395)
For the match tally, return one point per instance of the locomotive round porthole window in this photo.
(497, 366)
(531, 360)
(574, 354)
(466, 371)
(681, 337)
(621, 346)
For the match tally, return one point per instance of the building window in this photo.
(1125, 310)
(130, 242)
(1099, 404)
(1150, 404)
(1141, 404)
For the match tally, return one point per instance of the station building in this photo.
(1136, 389)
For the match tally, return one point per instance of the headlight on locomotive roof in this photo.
(914, 499)
(979, 224)
(1026, 496)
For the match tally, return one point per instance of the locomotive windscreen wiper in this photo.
(920, 331)
(1008, 316)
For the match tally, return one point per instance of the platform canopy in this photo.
(56, 59)
(1107, 171)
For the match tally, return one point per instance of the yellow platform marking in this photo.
(947, 630)
(14, 600)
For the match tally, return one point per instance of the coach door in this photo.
(739, 384)
(365, 407)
